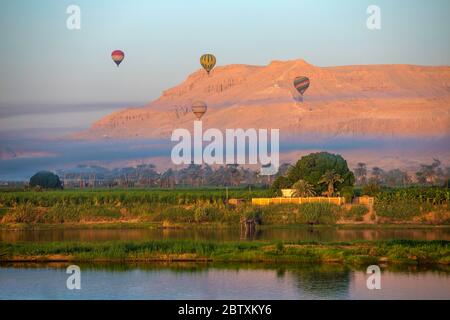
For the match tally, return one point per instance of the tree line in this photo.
(316, 174)
(433, 174)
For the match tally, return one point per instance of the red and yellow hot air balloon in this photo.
(117, 56)
(199, 109)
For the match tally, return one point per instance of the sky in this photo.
(55, 81)
(44, 63)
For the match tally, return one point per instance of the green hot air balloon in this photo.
(199, 109)
(301, 84)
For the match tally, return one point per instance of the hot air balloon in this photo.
(117, 56)
(208, 61)
(301, 84)
(199, 109)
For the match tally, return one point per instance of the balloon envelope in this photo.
(199, 109)
(117, 56)
(301, 84)
(208, 61)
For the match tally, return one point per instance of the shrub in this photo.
(398, 210)
(280, 246)
(253, 213)
(46, 180)
(22, 214)
(357, 212)
(318, 213)
(206, 214)
(276, 214)
(348, 193)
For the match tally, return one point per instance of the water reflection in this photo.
(321, 282)
(218, 281)
(228, 234)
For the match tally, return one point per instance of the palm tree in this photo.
(168, 179)
(377, 175)
(429, 174)
(330, 178)
(361, 173)
(303, 189)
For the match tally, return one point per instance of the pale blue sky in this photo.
(44, 63)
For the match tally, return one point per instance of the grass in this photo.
(353, 253)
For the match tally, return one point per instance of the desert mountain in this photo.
(347, 101)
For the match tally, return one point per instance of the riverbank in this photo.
(130, 225)
(351, 253)
(29, 217)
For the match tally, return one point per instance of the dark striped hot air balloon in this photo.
(199, 109)
(117, 56)
(301, 84)
(208, 61)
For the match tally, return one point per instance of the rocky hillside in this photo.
(348, 101)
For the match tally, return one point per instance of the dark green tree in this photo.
(46, 180)
(312, 167)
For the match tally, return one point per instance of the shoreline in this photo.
(158, 225)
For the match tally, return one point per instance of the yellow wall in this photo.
(268, 201)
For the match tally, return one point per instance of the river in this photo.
(292, 233)
(222, 281)
(197, 281)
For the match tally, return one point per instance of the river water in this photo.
(196, 281)
(295, 233)
(222, 281)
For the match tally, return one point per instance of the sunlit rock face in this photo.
(350, 101)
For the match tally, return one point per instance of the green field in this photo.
(127, 196)
(209, 205)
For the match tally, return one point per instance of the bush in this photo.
(22, 214)
(399, 210)
(357, 212)
(253, 213)
(280, 247)
(276, 214)
(348, 193)
(318, 213)
(46, 180)
(207, 214)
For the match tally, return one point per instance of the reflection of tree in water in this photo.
(322, 281)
